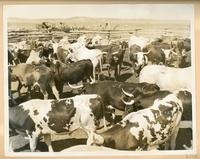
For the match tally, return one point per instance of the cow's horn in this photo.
(114, 53)
(174, 52)
(127, 94)
(145, 53)
(128, 103)
(74, 87)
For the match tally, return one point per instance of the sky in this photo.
(130, 11)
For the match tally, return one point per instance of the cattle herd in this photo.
(77, 84)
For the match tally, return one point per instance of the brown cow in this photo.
(30, 75)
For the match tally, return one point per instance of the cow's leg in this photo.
(104, 123)
(54, 90)
(90, 138)
(173, 138)
(100, 63)
(94, 73)
(153, 148)
(11, 146)
(33, 138)
(92, 80)
(109, 74)
(116, 74)
(47, 140)
(44, 91)
(19, 88)
(133, 68)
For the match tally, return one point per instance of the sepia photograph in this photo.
(99, 79)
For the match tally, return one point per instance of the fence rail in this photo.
(16, 36)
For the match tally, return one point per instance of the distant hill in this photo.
(90, 19)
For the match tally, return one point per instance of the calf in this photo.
(45, 117)
(145, 129)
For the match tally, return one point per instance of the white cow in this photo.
(34, 58)
(80, 52)
(168, 53)
(138, 40)
(167, 78)
(96, 40)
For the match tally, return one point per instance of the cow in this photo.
(47, 50)
(181, 44)
(138, 40)
(133, 50)
(41, 54)
(78, 52)
(143, 101)
(145, 129)
(114, 55)
(30, 75)
(71, 73)
(11, 57)
(115, 59)
(185, 59)
(140, 59)
(113, 96)
(34, 58)
(36, 117)
(167, 78)
(96, 40)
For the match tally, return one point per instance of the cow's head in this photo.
(140, 60)
(95, 139)
(168, 54)
(54, 65)
(96, 40)
(133, 95)
(82, 39)
(123, 45)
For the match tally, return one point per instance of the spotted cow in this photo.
(36, 117)
(145, 129)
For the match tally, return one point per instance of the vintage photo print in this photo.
(99, 79)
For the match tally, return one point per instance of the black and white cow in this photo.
(145, 129)
(37, 117)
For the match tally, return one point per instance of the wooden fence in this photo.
(16, 36)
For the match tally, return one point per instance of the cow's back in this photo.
(167, 78)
